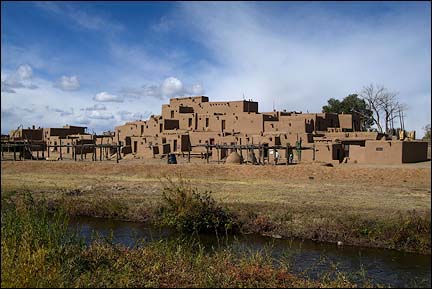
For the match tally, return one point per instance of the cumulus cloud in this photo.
(83, 120)
(170, 87)
(20, 78)
(68, 83)
(62, 112)
(129, 116)
(97, 106)
(196, 89)
(106, 97)
(97, 114)
(285, 59)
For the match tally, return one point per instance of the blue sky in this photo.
(100, 64)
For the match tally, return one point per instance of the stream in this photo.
(309, 259)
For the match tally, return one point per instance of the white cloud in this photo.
(97, 114)
(82, 18)
(170, 87)
(68, 83)
(196, 89)
(20, 78)
(130, 116)
(24, 72)
(106, 97)
(97, 106)
(285, 59)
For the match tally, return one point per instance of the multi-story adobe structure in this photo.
(188, 122)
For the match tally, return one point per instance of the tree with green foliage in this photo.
(351, 104)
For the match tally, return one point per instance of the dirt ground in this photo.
(372, 189)
(361, 205)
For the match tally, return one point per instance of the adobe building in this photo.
(63, 143)
(189, 123)
(214, 130)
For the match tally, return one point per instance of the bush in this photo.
(190, 211)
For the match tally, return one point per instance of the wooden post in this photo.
(189, 152)
(207, 153)
(287, 153)
(117, 154)
(48, 151)
(218, 156)
(313, 157)
(61, 156)
(241, 153)
(37, 154)
(14, 151)
(82, 146)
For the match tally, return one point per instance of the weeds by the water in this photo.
(188, 210)
(38, 250)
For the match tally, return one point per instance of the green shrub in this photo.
(190, 211)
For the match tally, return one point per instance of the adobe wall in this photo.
(357, 154)
(383, 152)
(346, 121)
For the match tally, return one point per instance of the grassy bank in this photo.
(376, 207)
(38, 251)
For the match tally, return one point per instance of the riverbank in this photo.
(38, 250)
(386, 207)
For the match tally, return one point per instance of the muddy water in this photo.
(307, 258)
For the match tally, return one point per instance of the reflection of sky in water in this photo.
(312, 259)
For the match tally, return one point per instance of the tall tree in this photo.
(384, 106)
(351, 104)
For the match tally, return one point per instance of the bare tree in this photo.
(373, 95)
(390, 106)
(384, 106)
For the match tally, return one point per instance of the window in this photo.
(172, 113)
(207, 121)
(190, 122)
(379, 149)
(142, 129)
(223, 125)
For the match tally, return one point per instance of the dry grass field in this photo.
(298, 200)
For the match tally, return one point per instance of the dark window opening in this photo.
(172, 113)
(190, 122)
(207, 122)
